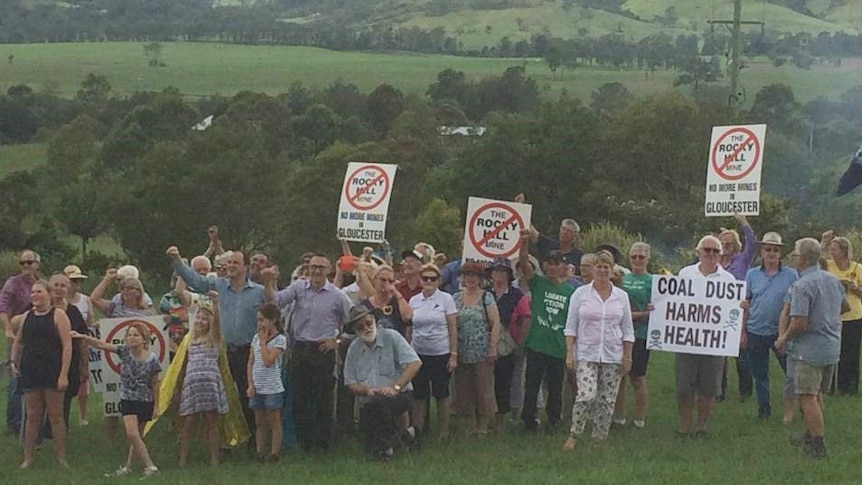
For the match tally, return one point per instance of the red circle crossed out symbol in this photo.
(109, 356)
(479, 244)
(720, 164)
(353, 192)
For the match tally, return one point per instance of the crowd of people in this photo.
(260, 359)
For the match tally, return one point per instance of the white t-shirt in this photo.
(430, 332)
(694, 272)
(83, 306)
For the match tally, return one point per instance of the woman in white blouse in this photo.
(599, 337)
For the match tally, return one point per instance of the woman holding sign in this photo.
(599, 337)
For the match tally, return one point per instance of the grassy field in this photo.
(478, 28)
(204, 69)
(21, 157)
(741, 450)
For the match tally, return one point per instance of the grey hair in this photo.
(808, 250)
(641, 246)
(571, 223)
(709, 237)
(203, 258)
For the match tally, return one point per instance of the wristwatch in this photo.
(397, 387)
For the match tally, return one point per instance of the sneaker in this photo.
(149, 471)
(119, 472)
(638, 423)
(620, 421)
(83, 423)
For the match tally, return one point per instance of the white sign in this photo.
(733, 171)
(365, 202)
(493, 229)
(96, 372)
(114, 330)
(696, 316)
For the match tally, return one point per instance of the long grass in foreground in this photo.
(739, 451)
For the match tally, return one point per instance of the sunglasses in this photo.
(711, 250)
(429, 279)
(318, 266)
(637, 256)
(28, 262)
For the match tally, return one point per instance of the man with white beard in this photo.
(379, 368)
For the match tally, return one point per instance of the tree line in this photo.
(269, 169)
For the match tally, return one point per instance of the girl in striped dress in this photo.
(265, 388)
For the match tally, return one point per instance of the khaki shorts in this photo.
(699, 374)
(812, 379)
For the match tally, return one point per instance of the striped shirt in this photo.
(267, 380)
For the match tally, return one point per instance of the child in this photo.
(265, 389)
(202, 390)
(139, 390)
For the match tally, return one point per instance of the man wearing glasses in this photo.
(700, 375)
(319, 311)
(14, 300)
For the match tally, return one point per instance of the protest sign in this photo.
(733, 171)
(95, 358)
(114, 330)
(696, 316)
(493, 229)
(365, 202)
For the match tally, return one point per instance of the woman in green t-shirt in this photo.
(638, 285)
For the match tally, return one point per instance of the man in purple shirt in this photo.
(319, 310)
(736, 258)
(14, 300)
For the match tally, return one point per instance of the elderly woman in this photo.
(478, 332)
(131, 301)
(638, 286)
(599, 337)
(849, 272)
(514, 309)
(434, 336)
(41, 356)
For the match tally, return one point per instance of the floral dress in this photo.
(473, 328)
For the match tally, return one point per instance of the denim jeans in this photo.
(14, 407)
(758, 362)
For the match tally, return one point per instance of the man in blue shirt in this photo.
(813, 340)
(239, 299)
(767, 285)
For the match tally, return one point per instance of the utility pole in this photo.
(734, 62)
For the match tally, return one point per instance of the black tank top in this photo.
(389, 316)
(42, 351)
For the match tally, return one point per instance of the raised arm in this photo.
(524, 257)
(94, 342)
(749, 239)
(96, 297)
(199, 283)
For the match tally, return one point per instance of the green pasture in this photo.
(21, 157)
(740, 450)
(200, 69)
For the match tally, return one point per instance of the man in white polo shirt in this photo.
(700, 375)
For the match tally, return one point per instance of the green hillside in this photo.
(477, 28)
